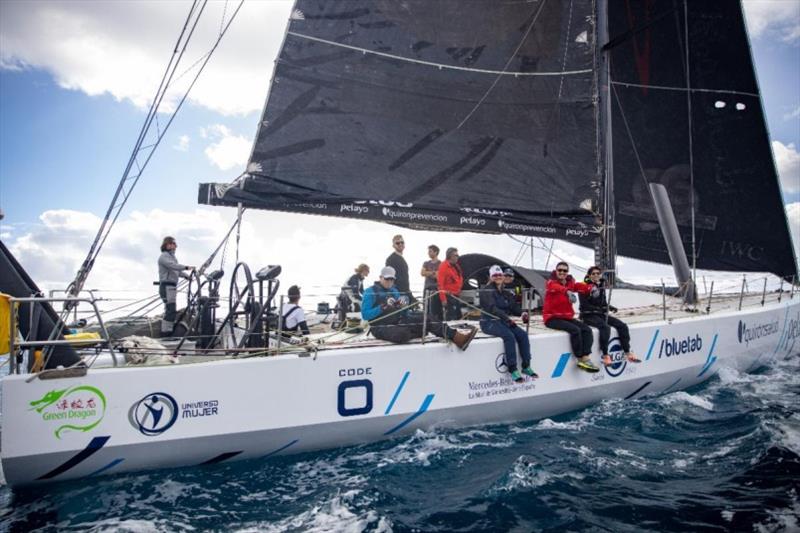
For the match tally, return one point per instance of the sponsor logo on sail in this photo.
(79, 408)
(618, 358)
(682, 346)
(315, 205)
(473, 221)
(511, 226)
(383, 203)
(577, 232)
(355, 209)
(747, 333)
(413, 216)
(154, 414)
(485, 212)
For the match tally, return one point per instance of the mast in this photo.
(605, 244)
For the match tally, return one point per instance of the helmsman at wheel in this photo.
(169, 270)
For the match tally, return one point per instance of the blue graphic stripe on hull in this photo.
(273, 452)
(221, 457)
(109, 466)
(422, 408)
(675, 383)
(637, 391)
(397, 393)
(652, 344)
(94, 446)
(711, 357)
(561, 365)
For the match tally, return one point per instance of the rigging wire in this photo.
(691, 148)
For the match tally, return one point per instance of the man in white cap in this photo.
(383, 306)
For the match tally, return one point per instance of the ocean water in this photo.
(721, 456)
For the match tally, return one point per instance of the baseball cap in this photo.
(508, 272)
(495, 270)
(388, 273)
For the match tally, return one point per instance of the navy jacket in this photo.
(500, 303)
(374, 298)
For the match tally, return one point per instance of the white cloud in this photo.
(183, 143)
(795, 113)
(793, 217)
(788, 162)
(122, 48)
(774, 17)
(230, 150)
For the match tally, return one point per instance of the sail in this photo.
(442, 114)
(686, 112)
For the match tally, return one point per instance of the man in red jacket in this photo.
(450, 278)
(558, 313)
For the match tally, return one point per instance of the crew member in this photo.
(169, 270)
(594, 312)
(512, 285)
(497, 304)
(398, 263)
(429, 271)
(383, 306)
(294, 319)
(450, 279)
(559, 314)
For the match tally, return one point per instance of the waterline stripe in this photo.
(561, 365)
(637, 391)
(652, 343)
(109, 466)
(710, 360)
(270, 454)
(668, 388)
(221, 457)
(397, 393)
(422, 408)
(93, 446)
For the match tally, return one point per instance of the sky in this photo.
(77, 78)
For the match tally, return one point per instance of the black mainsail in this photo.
(486, 116)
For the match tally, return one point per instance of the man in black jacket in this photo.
(398, 263)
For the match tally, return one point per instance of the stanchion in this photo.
(280, 327)
(710, 295)
(663, 300)
(741, 294)
(764, 292)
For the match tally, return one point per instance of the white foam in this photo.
(527, 475)
(682, 396)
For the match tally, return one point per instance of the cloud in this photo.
(230, 150)
(793, 217)
(183, 143)
(788, 162)
(122, 48)
(792, 114)
(773, 17)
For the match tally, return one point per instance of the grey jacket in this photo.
(169, 269)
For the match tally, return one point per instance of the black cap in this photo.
(294, 290)
(508, 272)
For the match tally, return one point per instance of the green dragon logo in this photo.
(80, 408)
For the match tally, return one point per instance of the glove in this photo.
(525, 318)
(612, 309)
(402, 301)
(595, 292)
(572, 297)
(391, 302)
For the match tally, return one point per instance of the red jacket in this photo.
(556, 300)
(450, 280)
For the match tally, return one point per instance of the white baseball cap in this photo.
(495, 270)
(388, 273)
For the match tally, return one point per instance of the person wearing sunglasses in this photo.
(559, 314)
(497, 304)
(398, 263)
(594, 312)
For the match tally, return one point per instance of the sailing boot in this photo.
(462, 340)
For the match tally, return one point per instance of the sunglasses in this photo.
(497, 276)
(399, 242)
(564, 270)
(595, 273)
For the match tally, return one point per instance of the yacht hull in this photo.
(115, 420)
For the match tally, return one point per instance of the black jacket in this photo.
(594, 302)
(500, 303)
(400, 266)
